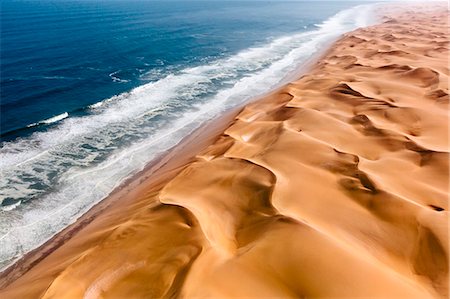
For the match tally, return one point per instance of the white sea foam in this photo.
(52, 177)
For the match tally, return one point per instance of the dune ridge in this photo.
(335, 185)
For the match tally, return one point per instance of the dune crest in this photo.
(335, 185)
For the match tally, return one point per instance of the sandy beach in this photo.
(335, 185)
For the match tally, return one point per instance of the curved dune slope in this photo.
(336, 185)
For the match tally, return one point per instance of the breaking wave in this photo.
(51, 120)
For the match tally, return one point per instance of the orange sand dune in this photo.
(336, 185)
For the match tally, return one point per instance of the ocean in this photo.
(92, 91)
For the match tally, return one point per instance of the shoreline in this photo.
(163, 177)
(173, 160)
(286, 78)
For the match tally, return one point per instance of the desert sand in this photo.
(335, 185)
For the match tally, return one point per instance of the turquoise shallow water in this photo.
(91, 91)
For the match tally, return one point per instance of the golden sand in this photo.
(336, 185)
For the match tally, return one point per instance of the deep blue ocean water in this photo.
(91, 91)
